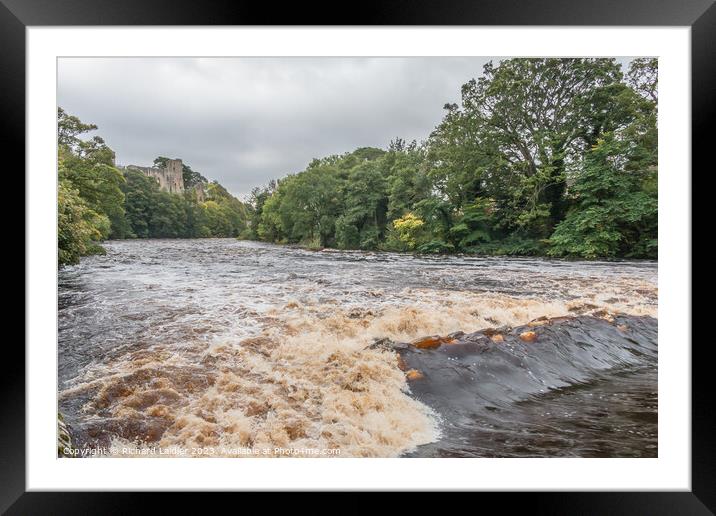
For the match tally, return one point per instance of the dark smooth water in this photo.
(586, 387)
(225, 343)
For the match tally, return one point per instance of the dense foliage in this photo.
(542, 156)
(97, 201)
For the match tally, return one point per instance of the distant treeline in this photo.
(550, 157)
(97, 201)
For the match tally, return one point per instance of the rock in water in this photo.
(433, 341)
(414, 374)
(528, 336)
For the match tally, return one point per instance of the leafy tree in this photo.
(140, 192)
(365, 198)
(231, 209)
(167, 216)
(69, 128)
(643, 77)
(311, 203)
(407, 178)
(520, 156)
(78, 227)
(458, 161)
(475, 226)
(534, 115)
(437, 213)
(269, 226)
(408, 230)
(89, 166)
(99, 184)
(616, 214)
(255, 207)
(217, 221)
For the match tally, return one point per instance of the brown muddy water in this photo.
(219, 346)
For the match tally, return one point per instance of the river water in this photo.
(219, 346)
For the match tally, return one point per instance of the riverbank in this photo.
(498, 251)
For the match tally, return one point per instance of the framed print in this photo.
(419, 252)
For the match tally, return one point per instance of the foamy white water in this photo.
(227, 344)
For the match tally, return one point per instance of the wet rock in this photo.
(414, 374)
(528, 336)
(432, 342)
(497, 337)
(489, 332)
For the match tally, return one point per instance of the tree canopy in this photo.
(553, 157)
(542, 156)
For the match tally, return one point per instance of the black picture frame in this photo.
(700, 15)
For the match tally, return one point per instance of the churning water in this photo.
(222, 344)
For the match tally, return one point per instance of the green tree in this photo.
(78, 227)
(643, 77)
(167, 218)
(616, 214)
(365, 205)
(408, 231)
(269, 226)
(217, 220)
(533, 115)
(475, 225)
(140, 192)
(310, 204)
(231, 209)
(255, 207)
(407, 178)
(616, 209)
(89, 166)
(69, 129)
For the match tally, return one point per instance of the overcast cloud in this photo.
(243, 121)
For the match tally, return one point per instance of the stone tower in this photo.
(170, 176)
(173, 176)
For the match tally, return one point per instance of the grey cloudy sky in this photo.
(243, 121)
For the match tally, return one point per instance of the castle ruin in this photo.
(170, 176)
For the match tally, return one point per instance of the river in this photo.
(222, 345)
